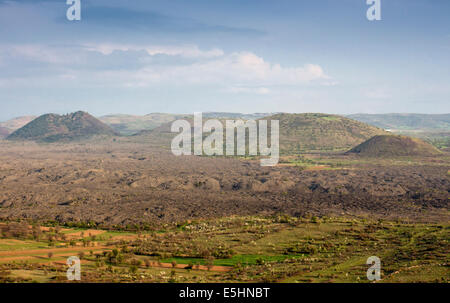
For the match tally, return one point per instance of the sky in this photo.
(144, 56)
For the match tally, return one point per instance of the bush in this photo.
(315, 219)
(136, 262)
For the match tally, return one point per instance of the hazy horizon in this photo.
(245, 113)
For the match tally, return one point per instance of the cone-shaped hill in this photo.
(54, 128)
(392, 145)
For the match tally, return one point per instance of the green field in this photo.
(238, 249)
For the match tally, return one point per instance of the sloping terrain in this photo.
(392, 146)
(53, 128)
(4, 132)
(321, 132)
(17, 123)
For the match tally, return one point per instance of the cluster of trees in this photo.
(20, 230)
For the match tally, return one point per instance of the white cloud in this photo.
(238, 72)
(236, 69)
(189, 51)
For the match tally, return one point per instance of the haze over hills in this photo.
(394, 145)
(298, 132)
(434, 129)
(132, 124)
(406, 121)
(225, 115)
(52, 128)
(17, 123)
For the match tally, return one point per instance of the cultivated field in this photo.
(233, 249)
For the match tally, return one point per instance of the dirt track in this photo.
(46, 251)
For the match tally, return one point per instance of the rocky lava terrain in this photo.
(121, 183)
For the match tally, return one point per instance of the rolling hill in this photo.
(53, 128)
(321, 132)
(298, 133)
(394, 145)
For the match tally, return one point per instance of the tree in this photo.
(210, 262)
(133, 269)
(37, 232)
(147, 263)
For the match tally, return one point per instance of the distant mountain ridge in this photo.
(134, 124)
(405, 122)
(225, 115)
(54, 128)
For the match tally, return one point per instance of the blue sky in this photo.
(144, 56)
